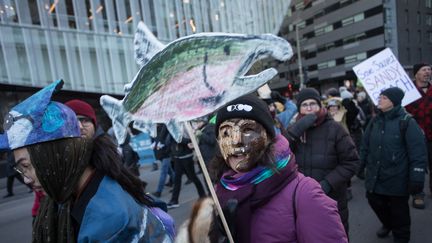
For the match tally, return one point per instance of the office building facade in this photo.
(89, 43)
(334, 36)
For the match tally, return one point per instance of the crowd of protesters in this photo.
(281, 169)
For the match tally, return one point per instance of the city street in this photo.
(15, 212)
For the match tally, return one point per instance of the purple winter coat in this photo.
(317, 217)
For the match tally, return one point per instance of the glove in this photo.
(415, 187)
(277, 97)
(326, 187)
(217, 231)
(302, 125)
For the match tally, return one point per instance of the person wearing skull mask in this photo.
(256, 169)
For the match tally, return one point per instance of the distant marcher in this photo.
(130, 157)
(182, 157)
(162, 153)
(336, 110)
(281, 119)
(366, 105)
(87, 118)
(395, 164)
(421, 110)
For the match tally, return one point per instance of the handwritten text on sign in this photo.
(382, 71)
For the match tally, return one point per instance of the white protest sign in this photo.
(383, 71)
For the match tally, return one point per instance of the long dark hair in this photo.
(106, 159)
(218, 164)
(59, 165)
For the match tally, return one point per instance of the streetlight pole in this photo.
(300, 66)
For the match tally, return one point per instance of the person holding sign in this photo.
(256, 168)
(421, 110)
(395, 162)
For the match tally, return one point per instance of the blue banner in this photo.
(142, 144)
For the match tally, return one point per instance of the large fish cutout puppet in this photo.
(190, 77)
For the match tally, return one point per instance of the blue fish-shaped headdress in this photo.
(38, 119)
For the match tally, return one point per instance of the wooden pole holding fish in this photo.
(208, 181)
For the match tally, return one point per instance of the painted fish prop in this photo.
(190, 78)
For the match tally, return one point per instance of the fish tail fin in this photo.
(146, 45)
(119, 116)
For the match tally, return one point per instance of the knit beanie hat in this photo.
(308, 93)
(82, 108)
(394, 94)
(417, 67)
(333, 92)
(247, 107)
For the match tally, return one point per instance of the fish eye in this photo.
(8, 122)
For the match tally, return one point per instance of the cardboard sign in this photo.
(383, 71)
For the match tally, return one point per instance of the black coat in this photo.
(327, 152)
(162, 140)
(207, 142)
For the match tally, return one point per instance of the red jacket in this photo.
(421, 110)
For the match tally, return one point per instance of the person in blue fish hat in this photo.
(91, 197)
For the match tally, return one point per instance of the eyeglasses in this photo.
(310, 105)
(20, 170)
(85, 120)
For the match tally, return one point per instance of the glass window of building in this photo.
(350, 59)
(406, 16)
(8, 12)
(301, 24)
(428, 19)
(407, 32)
(408, 55)
(359, 17)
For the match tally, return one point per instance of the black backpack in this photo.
(403, 125)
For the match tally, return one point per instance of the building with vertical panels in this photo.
(89, 43)
(335, 35)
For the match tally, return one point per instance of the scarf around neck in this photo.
(256, 187)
